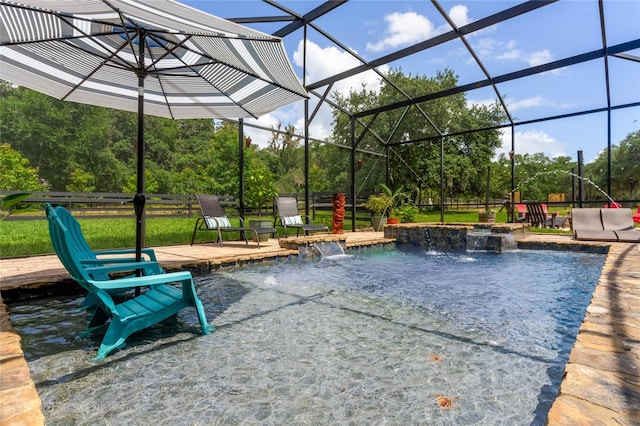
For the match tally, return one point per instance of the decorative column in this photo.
(338, 213)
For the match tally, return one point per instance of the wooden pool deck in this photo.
(602, 378)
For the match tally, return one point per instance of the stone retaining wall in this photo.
(436, 236)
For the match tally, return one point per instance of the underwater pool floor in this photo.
(407, 379)
(408, 337)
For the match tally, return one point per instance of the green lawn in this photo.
(31, 237)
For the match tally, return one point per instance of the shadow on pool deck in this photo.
(601, 384)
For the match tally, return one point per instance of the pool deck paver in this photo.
(601, 384)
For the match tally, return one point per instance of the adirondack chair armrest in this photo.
(147, 251)
(103, 260)
(129, 282)
(123, 267)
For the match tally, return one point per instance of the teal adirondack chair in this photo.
(97, 258)
(161, 299)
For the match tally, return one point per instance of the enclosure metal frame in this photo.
(295, 21)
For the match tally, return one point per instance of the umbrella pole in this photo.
(139, 199)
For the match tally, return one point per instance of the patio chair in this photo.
(620, 221)
(557, 221)
(537, 216)
(520, 213)
(213, 218)
(100, 257)
(587, 225)
(288, 216)
(636, 216)
(160, 300)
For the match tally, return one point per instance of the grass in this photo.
(31, 237)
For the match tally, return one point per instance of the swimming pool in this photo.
(391, 336)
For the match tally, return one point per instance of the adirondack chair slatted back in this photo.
(536, 214)
(66, 245)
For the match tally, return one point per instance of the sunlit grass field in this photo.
(31, 237)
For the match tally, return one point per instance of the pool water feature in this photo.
(391, 336)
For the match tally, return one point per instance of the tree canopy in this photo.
(64, 146)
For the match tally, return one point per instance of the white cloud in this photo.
(321, 62)
(490, 49)
(460, 15)
(403, 29)
(531, 142)
(539, 58)
(527, 103)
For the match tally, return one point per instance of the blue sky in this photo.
(563, 29)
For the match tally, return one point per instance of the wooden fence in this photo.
(101, 205)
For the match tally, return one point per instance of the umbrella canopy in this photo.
(156, 57)
(195, 65)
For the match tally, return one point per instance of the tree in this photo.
(413, 134)
(16, 174)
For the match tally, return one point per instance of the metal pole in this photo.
(306, 157)
(139, 198)
(388, 179)
(573, 187)
(442, 179)
(581, 181)
(241, 143)
(486, 199)
(512, 156)
(609, 152)
(353, 175)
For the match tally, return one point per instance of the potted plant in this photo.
(486, 215)
(378, 204)
(260, 191)
(396, 198)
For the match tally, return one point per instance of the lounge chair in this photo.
(587, 225)
(213, 218)
(159, 301)
(289, 217)
(620, 221)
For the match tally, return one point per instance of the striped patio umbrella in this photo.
(156, 57)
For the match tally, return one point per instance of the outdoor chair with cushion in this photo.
(288, 216)
(213, 218)
(159, 299)
(587, 225)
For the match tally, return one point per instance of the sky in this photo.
(373, 29)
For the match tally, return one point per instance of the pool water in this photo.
(385, 337)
